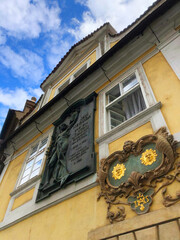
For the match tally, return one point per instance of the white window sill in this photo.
(129, 122)
(25, 186)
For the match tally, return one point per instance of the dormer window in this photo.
(72, 77)
(62, 86)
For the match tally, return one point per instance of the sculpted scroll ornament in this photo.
(134, 174)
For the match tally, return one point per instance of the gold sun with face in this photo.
(118, 171)
(148, 157)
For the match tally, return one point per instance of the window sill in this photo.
(25, 186)
(129, 122)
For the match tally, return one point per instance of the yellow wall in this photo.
(8, 183)
(69, 220)
(92, 59)
(24, 198)
(166, 87)
(133, 136)
(113, 43)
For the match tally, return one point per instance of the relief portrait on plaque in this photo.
(70, 156)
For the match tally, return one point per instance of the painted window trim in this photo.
(71, 78)
(145, 88)
(18, 188)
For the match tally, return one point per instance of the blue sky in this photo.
(35, 35)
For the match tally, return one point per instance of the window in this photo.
(124, 101)
(62, 86)
(34, 162)
(72, 77)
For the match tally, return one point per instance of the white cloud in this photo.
(57, 48)
(14, 99)
(26, 64)
(120, 13)
(28, 18)
(35, 92)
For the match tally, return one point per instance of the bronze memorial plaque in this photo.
(71, 155)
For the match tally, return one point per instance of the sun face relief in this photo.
(148, 157)
(118, 171)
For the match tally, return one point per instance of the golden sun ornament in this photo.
(148, 157)
(118, 171)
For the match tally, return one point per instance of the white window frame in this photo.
(36, 177)
(122, 96)
(146, 92)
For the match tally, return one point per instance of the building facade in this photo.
(96, 157)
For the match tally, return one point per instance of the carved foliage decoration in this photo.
(133, 173)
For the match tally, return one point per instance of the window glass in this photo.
(116, 119)
(113, 94)
(29, 164)
(37, 165)
(34, 150)
(130, 101)
(24, 180)
(34, 173)
(40, 157)
(27, 172)
(43, 144)
(129, 83)
(80, 71)
(33, 166)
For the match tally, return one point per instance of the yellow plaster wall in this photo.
(133, 136)
(69, 220)
(166, 87)
(19, 201)
(92, 59)
(113, 43)
(8, 183)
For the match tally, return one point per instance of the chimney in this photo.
(29, 105)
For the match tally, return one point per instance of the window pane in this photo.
(113, 94)
(126, 108)
(29, 164)
(80, 71)
(39, 157)
(27, 172)
(129, 83)
(133, 103)
(43, 144)
(34, 150)
(116, 119)
(24, 180)
(37, 165)
(36, 172)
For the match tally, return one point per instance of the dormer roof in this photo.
(76, 50)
